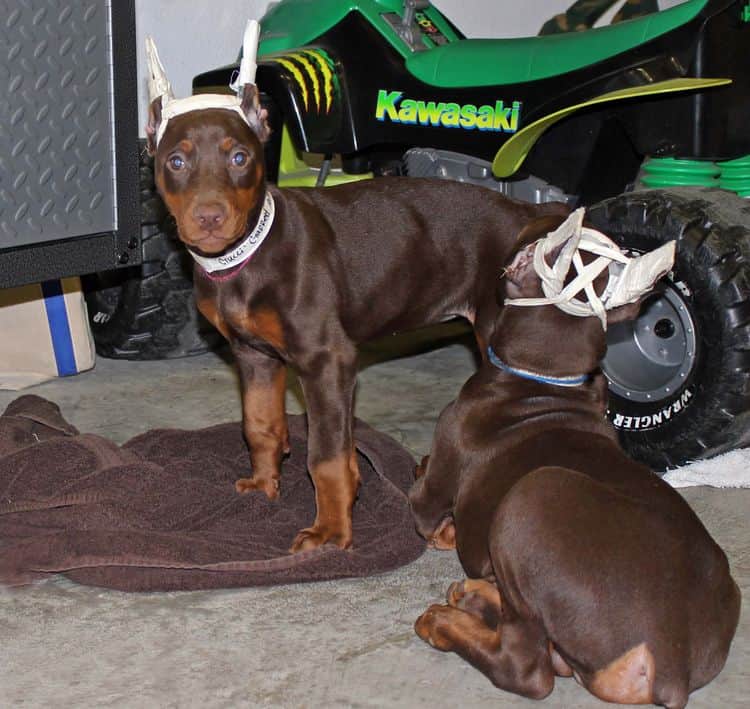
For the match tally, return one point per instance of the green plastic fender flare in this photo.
(510, 157)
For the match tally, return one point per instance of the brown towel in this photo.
(161, 512)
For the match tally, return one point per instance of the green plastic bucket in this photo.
(672, 172)
(735, 175)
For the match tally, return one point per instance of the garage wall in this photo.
(192, 36)
(196, 35)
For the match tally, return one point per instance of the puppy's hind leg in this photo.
(478, 597)
(513, 656)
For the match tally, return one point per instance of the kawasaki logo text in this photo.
(393, 107)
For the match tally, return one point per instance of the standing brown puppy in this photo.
(299, 277)
(580, 561)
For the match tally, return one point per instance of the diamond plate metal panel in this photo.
(56, 121)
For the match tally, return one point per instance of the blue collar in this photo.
(573, 381)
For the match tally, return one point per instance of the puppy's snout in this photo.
(210, 216)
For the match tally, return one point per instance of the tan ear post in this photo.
(158, 84)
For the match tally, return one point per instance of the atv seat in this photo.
(494, 62)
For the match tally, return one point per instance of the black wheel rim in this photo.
(651, 358)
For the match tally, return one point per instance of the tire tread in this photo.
(148, 312)
(712, 229)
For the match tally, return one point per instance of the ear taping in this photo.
(629, 278)
(160, 88)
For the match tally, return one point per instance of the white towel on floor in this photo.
(730, 469)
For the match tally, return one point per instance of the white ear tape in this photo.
(159, 86)
(627, 282)
(248, 65)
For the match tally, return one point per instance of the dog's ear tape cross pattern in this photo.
(245, 102)
(629, 278)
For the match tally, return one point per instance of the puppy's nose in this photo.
(209, 216)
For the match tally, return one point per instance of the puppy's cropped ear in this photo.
(521, 280)
(256, 116)
(154, 119)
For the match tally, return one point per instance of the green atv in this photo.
(645, 122)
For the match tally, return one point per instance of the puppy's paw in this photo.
(444, 537)
(270, 486)
(421, 469)
(430, 625)
(315, 536)
(455, 593)
(478, 597)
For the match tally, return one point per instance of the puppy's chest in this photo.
(240, 321)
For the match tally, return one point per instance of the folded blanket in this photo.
(161, 512)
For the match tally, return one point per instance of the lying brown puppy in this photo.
(580, 561)
(299, 277)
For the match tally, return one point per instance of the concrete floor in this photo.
(333, 644)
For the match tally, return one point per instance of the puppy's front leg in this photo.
(432, 496)
(264, 423)
(328, 380)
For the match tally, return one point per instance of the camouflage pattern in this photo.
(583, 14)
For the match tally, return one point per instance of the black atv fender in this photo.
(512, 154)
(309, 93)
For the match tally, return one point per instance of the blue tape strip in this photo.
(59, 328)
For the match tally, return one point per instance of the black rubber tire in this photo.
(148, 311)
(707, 411)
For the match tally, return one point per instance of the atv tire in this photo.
(679, 375)
(148, 311)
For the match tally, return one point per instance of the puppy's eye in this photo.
(240, 158)
(176, 162)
